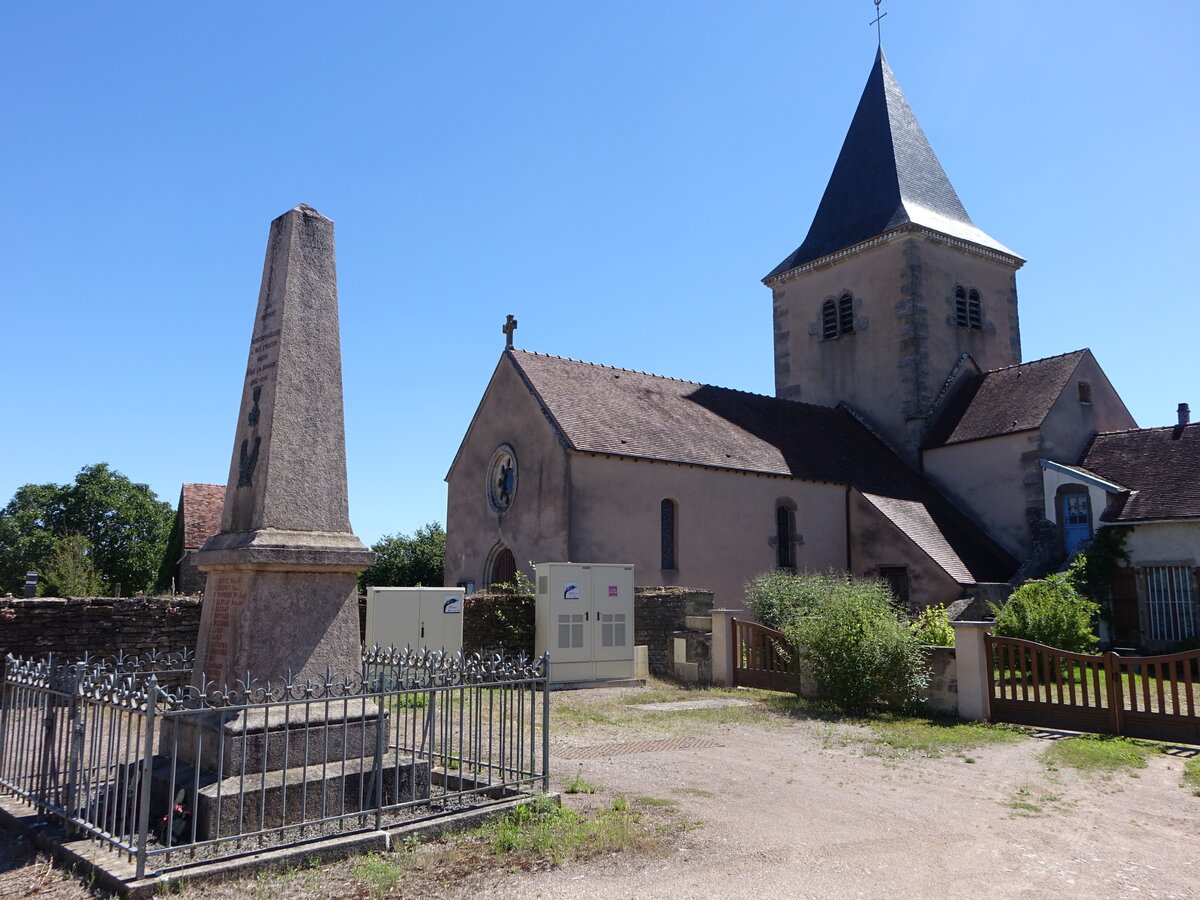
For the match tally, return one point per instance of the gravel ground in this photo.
(794, 807)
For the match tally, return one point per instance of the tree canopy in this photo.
(408, 561)
(100, 531)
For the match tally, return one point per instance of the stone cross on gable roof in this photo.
(510, 325)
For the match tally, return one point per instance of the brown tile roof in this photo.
(600, 409)
(915, 520)
(1160, 466)
(1004, 401)
(201, 506)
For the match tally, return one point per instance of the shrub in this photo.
(933, 628)
(1050, 611)
(778, 598)
(855, 648)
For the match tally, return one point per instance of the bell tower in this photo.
(894, 290)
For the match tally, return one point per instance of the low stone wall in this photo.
(104, 626)
(660, 614)
(494, 622)
(99, 626)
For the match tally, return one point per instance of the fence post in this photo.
(147, 765)
(974, 670)
(75, 757)
(1116, 697)
(5, 702)
(722, 646)
(545, 723)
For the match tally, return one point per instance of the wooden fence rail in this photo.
(762, 656)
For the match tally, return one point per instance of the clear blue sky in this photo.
(619, 175)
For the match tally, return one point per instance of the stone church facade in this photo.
(906, 438)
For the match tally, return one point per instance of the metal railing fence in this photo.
(132, 754)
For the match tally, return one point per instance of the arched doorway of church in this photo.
(504, 568)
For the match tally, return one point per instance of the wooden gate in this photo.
(762, 657)
(1154, 697)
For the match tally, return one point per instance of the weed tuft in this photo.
(578, 786)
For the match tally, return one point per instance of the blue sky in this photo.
(618, 175)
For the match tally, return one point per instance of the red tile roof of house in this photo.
(601, 409)
(1004, 401)
(201, 506)
(1160, 466)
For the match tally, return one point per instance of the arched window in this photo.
(837, 317)
(667, 512)
(504, 568)
(968, 308)
(785, 531)
(829, 320)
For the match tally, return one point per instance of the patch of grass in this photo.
(380, 873)
(578, 786)
(1191, 773)
(1097, 753)
(937, 736)
(1023, 804)
(544, 829)
(694, 792)
(656, 801)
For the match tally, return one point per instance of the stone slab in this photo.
(239, 804)
(261, 739)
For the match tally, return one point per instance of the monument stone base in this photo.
(224, 807)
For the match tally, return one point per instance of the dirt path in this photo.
(785, 807)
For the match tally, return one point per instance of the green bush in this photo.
(853, 645)
(778, 598)
(1050, 611)
(933, 628)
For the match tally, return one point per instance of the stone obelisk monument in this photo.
(280, 597)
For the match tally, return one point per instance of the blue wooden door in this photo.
(1076, 519)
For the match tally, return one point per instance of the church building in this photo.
(906, 439)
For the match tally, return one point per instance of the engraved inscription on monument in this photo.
(227, 594)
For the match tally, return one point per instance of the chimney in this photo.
(1185, 414)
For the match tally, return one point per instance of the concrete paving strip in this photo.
(596, 751)
(690, 704)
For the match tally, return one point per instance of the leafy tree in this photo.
(27, 533)
(70, 570)
(124, 524)
(1050, 611)
(408, 561)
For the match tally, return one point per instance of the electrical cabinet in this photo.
(415, 617)
(584, 620)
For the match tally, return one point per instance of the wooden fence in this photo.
(1154, 697)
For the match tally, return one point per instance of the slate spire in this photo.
(886, 176)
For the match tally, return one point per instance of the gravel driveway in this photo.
(807, 808)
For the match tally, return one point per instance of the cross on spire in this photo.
(510, 325)
(877, 21)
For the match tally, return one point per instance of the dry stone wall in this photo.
(99, 626)
(104, 626)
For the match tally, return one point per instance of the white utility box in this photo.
(415, 617)
(584, 619)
